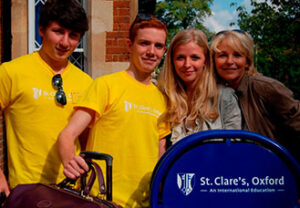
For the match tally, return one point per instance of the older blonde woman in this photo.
(194, 101)
(268, 107)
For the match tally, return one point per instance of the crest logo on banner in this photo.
(186, 182)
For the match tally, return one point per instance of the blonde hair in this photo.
(205, 95)
(240, 42)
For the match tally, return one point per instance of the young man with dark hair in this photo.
(37, 94)
(124, 112)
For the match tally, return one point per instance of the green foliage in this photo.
(274, 26)
(183, 14)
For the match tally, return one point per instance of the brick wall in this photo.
(116, 50)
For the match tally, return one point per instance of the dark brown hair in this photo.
(68, 14)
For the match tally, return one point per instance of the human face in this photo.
(147, 49)
(230, 64)
(189, 61)
(58, 43)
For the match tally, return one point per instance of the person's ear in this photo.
(41, 31)
(129, 45)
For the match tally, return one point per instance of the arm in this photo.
(83, 138)
(74, 165)
(3, 184)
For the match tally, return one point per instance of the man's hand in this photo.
(76, 167)
(4, 185)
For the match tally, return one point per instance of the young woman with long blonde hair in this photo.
(194, 101)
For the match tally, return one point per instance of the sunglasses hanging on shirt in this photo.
(60, 95)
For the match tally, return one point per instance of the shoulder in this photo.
(110, 78)
(260, 79)
(227, 100)
(267, 86)
(79, 72)
(158, 93)
(18, 66)
(224, 89)
(19, 61)
(27, 57)
(226, 93)
(77, 75)
(108, 81)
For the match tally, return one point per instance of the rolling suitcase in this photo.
(64, 195)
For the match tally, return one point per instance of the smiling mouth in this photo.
(62, 50)
(230, 69)
(149, 60)
(187, 72)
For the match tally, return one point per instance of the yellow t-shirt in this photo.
(34, 119)
(127, 126)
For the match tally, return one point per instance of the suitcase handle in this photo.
(98, 156)
(96, 171)
(86, 186)
(108, 160)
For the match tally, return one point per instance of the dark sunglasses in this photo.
(60, 95)
(140, 17)
(235, 30)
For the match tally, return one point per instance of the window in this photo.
(79, 56)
